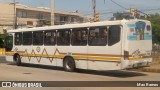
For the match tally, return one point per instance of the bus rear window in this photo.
(148, 27)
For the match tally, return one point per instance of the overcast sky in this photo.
(85, 6)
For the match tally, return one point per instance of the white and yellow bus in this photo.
(107, 45)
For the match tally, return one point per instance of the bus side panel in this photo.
(78, 53)
(9, 58)
(108, 57)
(81, 64)
(103, 65)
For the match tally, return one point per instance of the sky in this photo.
(85, 6)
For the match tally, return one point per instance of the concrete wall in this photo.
(6, 16)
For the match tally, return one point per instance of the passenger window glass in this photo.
(114, 35)
(27, 38)
(63, 37)
(98, 36)
(148, 27)
(38, 38)
(50, 38)
(18, 38)
(79, 37)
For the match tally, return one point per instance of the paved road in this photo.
(10, 72)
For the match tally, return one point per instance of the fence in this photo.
(156, 54)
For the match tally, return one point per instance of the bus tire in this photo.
(69, 64)
(17, 59)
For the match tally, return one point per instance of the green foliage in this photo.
(121, 15)
(155, 21)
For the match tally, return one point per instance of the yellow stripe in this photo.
(135, 58)
(9, 53)
(74, 56)
(97, 58)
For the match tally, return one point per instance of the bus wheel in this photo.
(17, 59)
(69, 64)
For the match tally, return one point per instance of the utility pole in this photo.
(52, 12)
(94, 9)
(14, 16)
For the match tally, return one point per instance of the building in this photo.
(25, 16)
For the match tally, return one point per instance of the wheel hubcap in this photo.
(69, 64)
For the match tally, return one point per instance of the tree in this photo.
(121, 15)
(155, 21)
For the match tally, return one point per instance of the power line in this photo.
(119, 4)
(127, 8)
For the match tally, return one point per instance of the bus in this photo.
(105, 45)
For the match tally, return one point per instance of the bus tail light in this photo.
(126, 55)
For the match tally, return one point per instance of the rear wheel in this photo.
(69, 64)
(17, 59)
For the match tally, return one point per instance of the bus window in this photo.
(50, 38)
(18, 38)
(98, 36)
(79, 37)
(148, 28)
(63, 37)
(38, 38)
(114, 35)
(27, 38)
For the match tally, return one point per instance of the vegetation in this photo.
(121, 15)
(155, 21)
(6, 42)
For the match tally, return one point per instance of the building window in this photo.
(63, 18)
(38, 38)
(63, 37)
(27, 38)
(40, 16)
(22, 14)
(79, 37)
(98, 36)
(114, 35)
(50, 38)
(18, 38)
(73, 19)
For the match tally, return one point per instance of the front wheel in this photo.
(69, 64)
(17, 60)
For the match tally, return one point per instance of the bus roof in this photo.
(70, 26)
